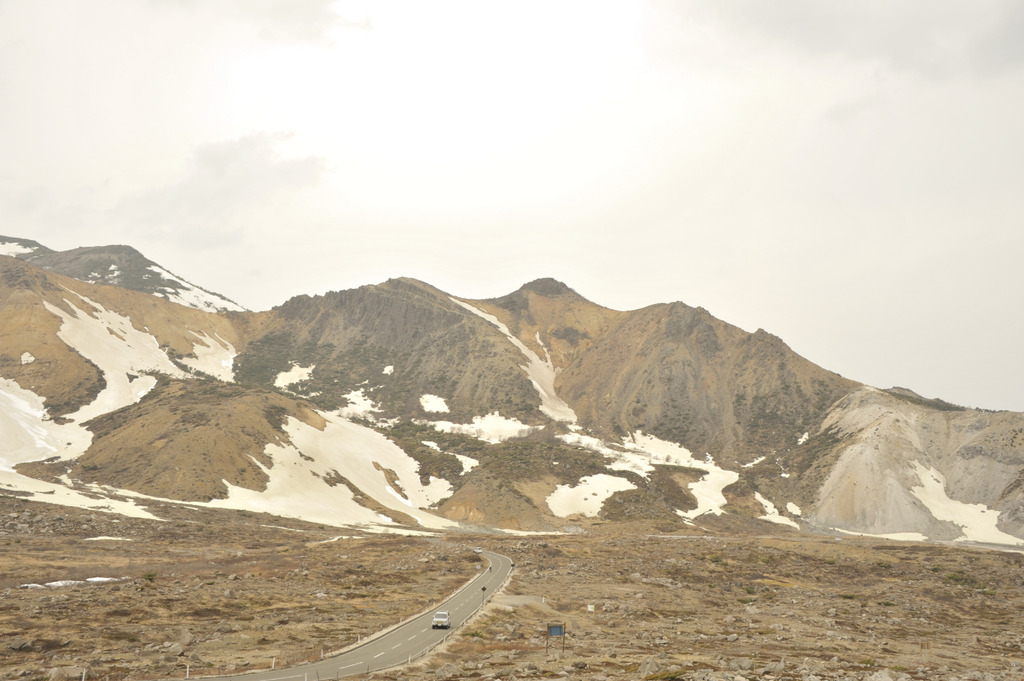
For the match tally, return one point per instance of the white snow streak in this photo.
(192, 296)
(541, 373)
(772, 515)
(468, 463)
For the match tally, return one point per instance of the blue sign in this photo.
(556, 630)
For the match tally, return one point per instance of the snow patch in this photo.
(772, 515)
(189, 295)
(588, 496)
(793, 508)
(299, 488)
(91, 499)
(895, 536)
(976, 521)
(388, 370)
(433, 403)
(493, 428)
(296, 374)
(803, 438)
(541, 373)
(641, 453)
(468, 463)
(707, 490)
(122, 353)
(12, 249)
(213, 357)
(27, 358)
(28, 432)
(359, 406)
(754, 462)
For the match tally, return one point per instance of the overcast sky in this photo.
(848, 175)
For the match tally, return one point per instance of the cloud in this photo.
(934, 38)
(1001, 48)
(278, 21)
(226, 180)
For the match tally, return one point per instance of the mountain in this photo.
(398, 406)
(117, 266)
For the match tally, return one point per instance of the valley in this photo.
(215, 592)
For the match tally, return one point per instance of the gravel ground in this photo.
(206, 593)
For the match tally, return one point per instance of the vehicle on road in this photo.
(441, 620)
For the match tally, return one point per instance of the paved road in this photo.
(404, 643)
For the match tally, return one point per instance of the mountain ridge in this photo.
(400, 404)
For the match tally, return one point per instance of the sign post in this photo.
(555, 630)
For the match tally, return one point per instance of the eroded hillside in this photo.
(402, 406)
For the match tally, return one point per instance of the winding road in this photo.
(402, 644)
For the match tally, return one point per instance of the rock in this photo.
(183, 636)
(68, 673)
(447, 671)
(741, 664)
(649, 666)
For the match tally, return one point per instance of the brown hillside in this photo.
(673, 371)
(184, 439)
(434, 346)
(59, 374)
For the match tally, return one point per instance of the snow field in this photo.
(977, 521)
(297, 489)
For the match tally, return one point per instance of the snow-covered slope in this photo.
(121, 266)
(912, 472)
(398, 406)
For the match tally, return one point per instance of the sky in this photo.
(845, 174)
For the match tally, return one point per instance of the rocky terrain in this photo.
(399, 403)
(209, 592)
